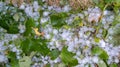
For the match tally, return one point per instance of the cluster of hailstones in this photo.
(74, 38)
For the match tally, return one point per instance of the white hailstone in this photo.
(58, 45)
(45, 62)
(71, 47)
(11, 45)
(65, 35)
(84, 28)
(3, 58)
(85, 60)
(85, 13)
(95, 59)
(14, 49)
(43, 0)
(93, 17)
(50, 7)
(80, 15)
(17, 52)
(79, 60)
(116, 60)
(99, 35)
(35, 14)
(87, 65)
(55, 31)
(46, 13)
(51, 43)
(110, 19)
(94, 14)
(18, 57)
(43, 20)
(88, 42)
(112, 53)
(110, 37)
(57, 9)
(78, 53)
(100, 30)
(47, 36)
(35, 5)
(14, 37)
(22, 6)
(69, 38)
(80, 34)
(106, 26)
(29, 10)
(91, 29)
(66, 8)
(46, 57)
(54, 39)
(81, 41)
(57, 60)
(102, 43)
(85, 36)
(105, 12)
(103, 21)
(2, 48)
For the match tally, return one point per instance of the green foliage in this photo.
(96, 39)
(104, 33)
(116, 36)
(25, 61)
(58, 19)
(29, 42)
(14, 62)
(68, 57)
(113, 65)
(10, 18)
(100, 52)
(38, 45)
(54, 54)
(7, 22)
(76, 22)
(102, 64)
(29, 24)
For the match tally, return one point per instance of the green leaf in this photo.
(96, 40)
(67, 57)
(40, 45)
(29, 24)
(13, 29)
(26, 46)
(54, 54)
(108, 1)
(16, 17)
(58, 19)
(113, 65)
(104, 33)
(25, 61)
(13, 60)
(104, 55)
(102, 64)
(100, 52)
(77, 22)
(29, 45)
(59, 65)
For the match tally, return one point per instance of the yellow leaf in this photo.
(96, 39)
(81, 24)
(76, 18)
(37, 32)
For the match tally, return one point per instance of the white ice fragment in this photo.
(22, 6)
(45, 13)
(102, 43)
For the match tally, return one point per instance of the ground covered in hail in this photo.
(44, 34)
